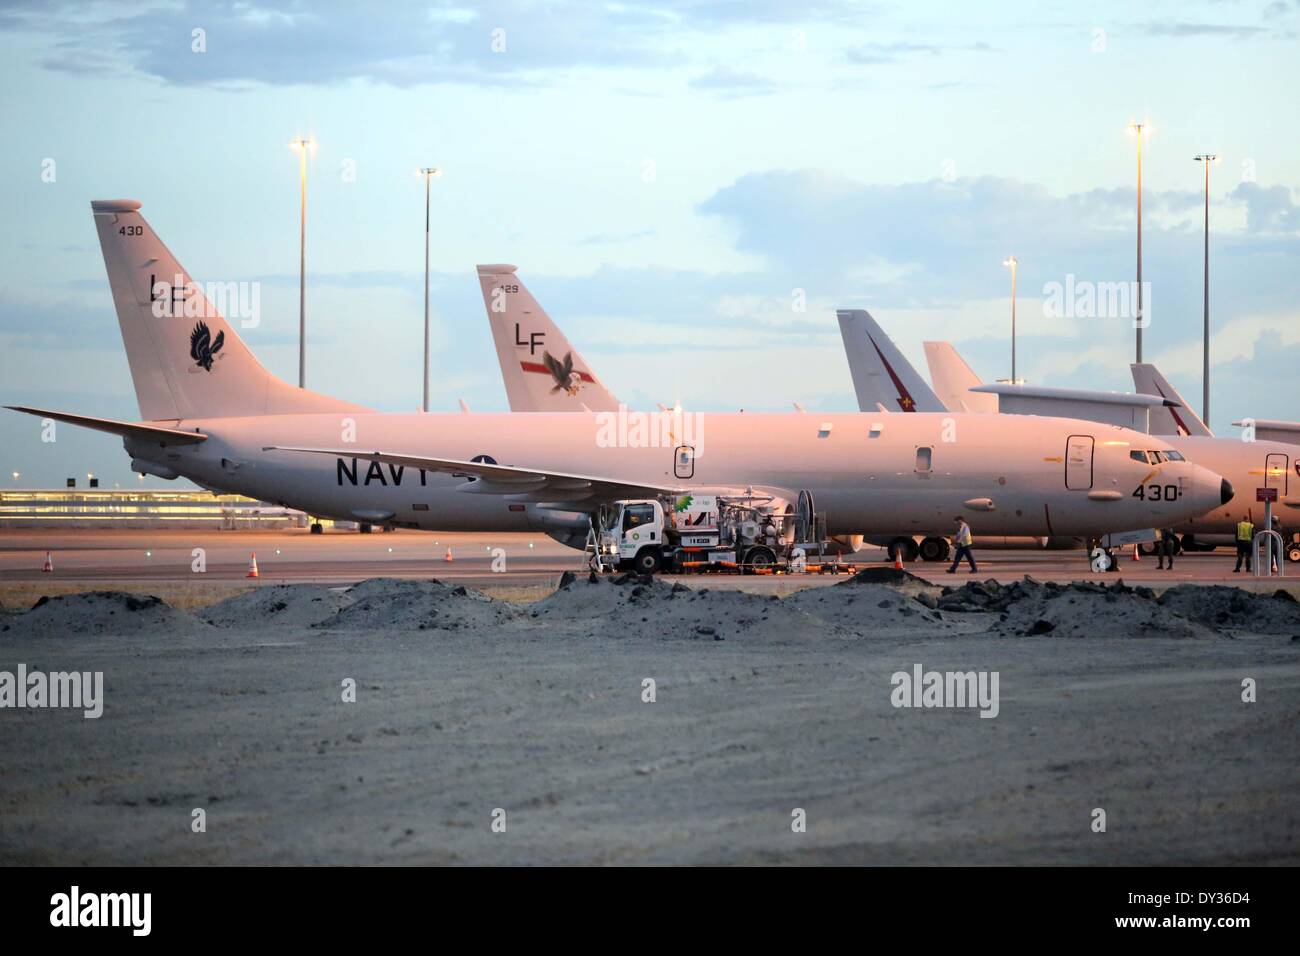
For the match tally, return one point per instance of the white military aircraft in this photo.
(211, 413)
(884, 379)
(1246, 465)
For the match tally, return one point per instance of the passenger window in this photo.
(924, 455)
(1139, 456)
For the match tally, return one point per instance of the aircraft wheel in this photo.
(317, 528)
(934, 549)
(1293, 552)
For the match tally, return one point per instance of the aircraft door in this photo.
(1078, 462)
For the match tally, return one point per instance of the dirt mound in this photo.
(390, 604)
(1078, 609)
(886, 575)
(1232, 609)
(105, 612)
(868, 607)
(292, 605)
(637, 607)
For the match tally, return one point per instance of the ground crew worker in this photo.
(962, 539)
(1168, 543)
(1245, 537)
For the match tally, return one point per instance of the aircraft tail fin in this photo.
(1180, 420)
(881, 375)
(542, 371)
(186, 360)
(953, 379)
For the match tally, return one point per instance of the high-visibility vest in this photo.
(963, 535)
(1245, 531)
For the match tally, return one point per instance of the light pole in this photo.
(301, 147)
(1207, 159)
(1012, 262)
(1139, 127)
(429, 172)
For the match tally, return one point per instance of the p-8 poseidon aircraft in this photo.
(210, 412)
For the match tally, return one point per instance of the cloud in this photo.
(1203, 30)
(929, 243)
(508, 42)
(878, 54)
(726, 81)
(1269, 210)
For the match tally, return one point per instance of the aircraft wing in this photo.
(1113, 408)
(524, 483)
(163, 434)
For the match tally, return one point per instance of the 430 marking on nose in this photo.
(1157, 492)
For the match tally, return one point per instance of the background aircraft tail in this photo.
(186, 360)
(953, 379)
(1167, 421)
(881, 375)
(542, 371)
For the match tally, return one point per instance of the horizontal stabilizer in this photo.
(155, 433)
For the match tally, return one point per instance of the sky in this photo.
(689, 188)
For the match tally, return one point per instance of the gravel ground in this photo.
(465, 704)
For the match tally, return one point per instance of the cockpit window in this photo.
(1173, 455)
(1156, 457)
(1139, 456)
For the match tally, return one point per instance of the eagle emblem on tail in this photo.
(562, 371)
(203, 347)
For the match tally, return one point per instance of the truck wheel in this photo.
(759, 558)
(934, 549)
(647, 561)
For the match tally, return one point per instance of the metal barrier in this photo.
(1264, 568)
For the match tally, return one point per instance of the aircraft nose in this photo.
(1225, 491)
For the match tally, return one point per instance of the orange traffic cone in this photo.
(252, 566)
(898, 559)
(1137, 555)
(447, 556)
(49, 563)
